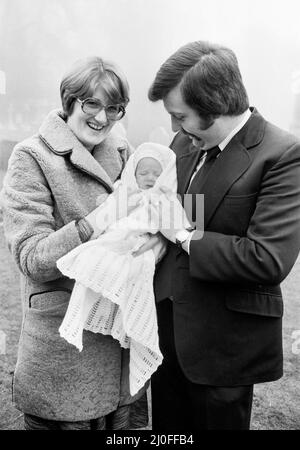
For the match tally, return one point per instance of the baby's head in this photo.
(147, 171)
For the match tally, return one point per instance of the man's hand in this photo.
(152, 244)
(172, 215)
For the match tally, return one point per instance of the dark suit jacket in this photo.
(227, 299)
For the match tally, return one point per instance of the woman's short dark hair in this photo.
(86, 75)
(209, 78)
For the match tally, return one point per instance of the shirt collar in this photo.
(245, 117)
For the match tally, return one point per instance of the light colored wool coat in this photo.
(51, 181)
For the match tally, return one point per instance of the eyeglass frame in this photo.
(82, 102)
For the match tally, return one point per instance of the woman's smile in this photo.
(94, 126)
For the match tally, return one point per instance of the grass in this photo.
(276, 405)
(10, 323)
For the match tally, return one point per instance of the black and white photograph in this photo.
(149, 218)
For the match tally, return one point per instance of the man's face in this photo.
(186, 119)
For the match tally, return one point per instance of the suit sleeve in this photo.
(29, 224)
(271, 245)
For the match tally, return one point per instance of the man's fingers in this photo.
(147, 246)
(144, 248)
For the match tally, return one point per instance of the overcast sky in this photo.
(41, 38)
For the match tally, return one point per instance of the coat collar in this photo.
(103, 165)
(233, 161)
(252, 132)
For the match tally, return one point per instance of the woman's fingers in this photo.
(134, 200)
(165, 190)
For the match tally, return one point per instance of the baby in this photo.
(147, 172)
(113, 292)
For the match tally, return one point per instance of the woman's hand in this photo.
(117, 205)
(92, 219)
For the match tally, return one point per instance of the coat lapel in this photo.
(56, 134)
(83, 160)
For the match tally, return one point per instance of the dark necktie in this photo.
(199, 178)
(203, 171)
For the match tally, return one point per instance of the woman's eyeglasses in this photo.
(93, 106)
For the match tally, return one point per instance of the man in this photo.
(219, 302)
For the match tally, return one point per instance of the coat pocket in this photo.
(43, 319)
(255, 302)
(49, 302)
(240, 199)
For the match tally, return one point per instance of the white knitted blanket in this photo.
(113, 293)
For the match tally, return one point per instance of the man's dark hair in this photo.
(209, 78)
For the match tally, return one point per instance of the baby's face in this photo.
(147, 172)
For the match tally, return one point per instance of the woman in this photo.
(54, 184)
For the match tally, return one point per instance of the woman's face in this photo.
(89, 129)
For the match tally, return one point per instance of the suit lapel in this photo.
(187, 159)
(185, 168)
(232, 162)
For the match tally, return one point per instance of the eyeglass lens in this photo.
(91, 106)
